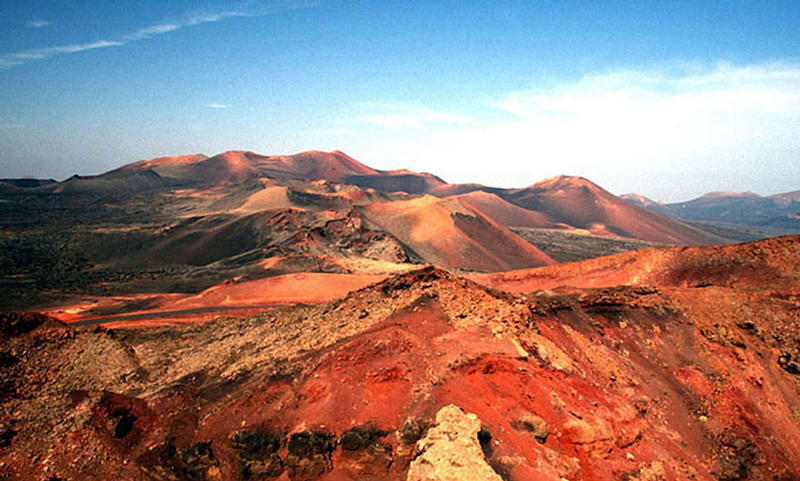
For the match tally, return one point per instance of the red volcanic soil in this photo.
(743, 266)
(449, 233)
(581, 203)
(312, 165)
(676, 382)
(304, 287)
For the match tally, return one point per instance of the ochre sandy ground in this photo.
(298, 288)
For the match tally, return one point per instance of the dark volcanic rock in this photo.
(361, 437)
(310, 454)
(413, 430)
(534, 425)
(257, 451)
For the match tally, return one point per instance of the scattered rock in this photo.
(364, 455)
(310, 454)
(195, 463)
(413, 430)
(642, 405)
(651, 472)
(361, 437)
(737, 455)
(534, 425)
(124, 417)
(7, 359)
(786, 363)
(451, 451)
(7, 433)
(257, 452)
(595, 437)
(198, 460)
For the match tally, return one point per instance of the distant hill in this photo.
(781, 211)
(794, 195)
(26, 183)
(580, 203)
(397, 181)
(564, 201)
(638, 199)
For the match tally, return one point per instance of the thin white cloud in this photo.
(663, 131)
(6, 63)
(190, 20)
(208, 17)
(28, 56)
(73, 48)
(37, 23)
(216, 106)
(152, 31)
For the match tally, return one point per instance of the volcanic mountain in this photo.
(638, 199)
(237, 165)
(577, 202)
(187, 223)
(450, 233)
(779, 212)
(571, 201)
(794, 196)
(685, 367)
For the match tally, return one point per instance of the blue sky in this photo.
(670, 99)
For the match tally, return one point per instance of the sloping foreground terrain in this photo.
(689, 372)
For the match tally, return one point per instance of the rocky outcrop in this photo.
(533, 424)
(595, 437)
(310, 454)
(451, 450)
(257, 452)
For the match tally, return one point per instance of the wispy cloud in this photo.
(60, 49)
(37, 23)
(152, 31)
(665, 131)
(191, 19)
(216, 106)
(6, 63)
